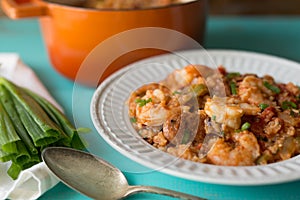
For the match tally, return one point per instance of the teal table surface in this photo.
(278, 36)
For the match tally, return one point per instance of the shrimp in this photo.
(149, 104)
(139, 93)
(252, 91)
(249, 109)
(181, 78)
(151, 114)
(293, 89)
(227, 114)
(244, 153)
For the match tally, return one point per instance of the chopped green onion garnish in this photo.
(233, 88)
(288, 105)
(176, 92)
(232, 75)
(186, 137)
(213, 117)
(133, 120)
(199, 89)
(271, 87)
(263, 106)
(222, 133)
(245, 126)
(142, 102)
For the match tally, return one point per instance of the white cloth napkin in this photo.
(35, 181)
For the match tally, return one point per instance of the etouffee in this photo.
(257, 122)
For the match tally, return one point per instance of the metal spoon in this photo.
(94, 177)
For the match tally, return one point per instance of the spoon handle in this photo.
(162, 191)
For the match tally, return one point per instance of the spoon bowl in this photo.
(94, 177)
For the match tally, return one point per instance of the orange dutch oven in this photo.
(71, 32)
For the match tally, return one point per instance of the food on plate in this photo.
(130, 4)
(28, 124)
(256, 122)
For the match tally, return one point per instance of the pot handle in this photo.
(16, 9)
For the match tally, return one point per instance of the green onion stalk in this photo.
(28, 124)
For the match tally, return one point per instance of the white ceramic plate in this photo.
(110, 115)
